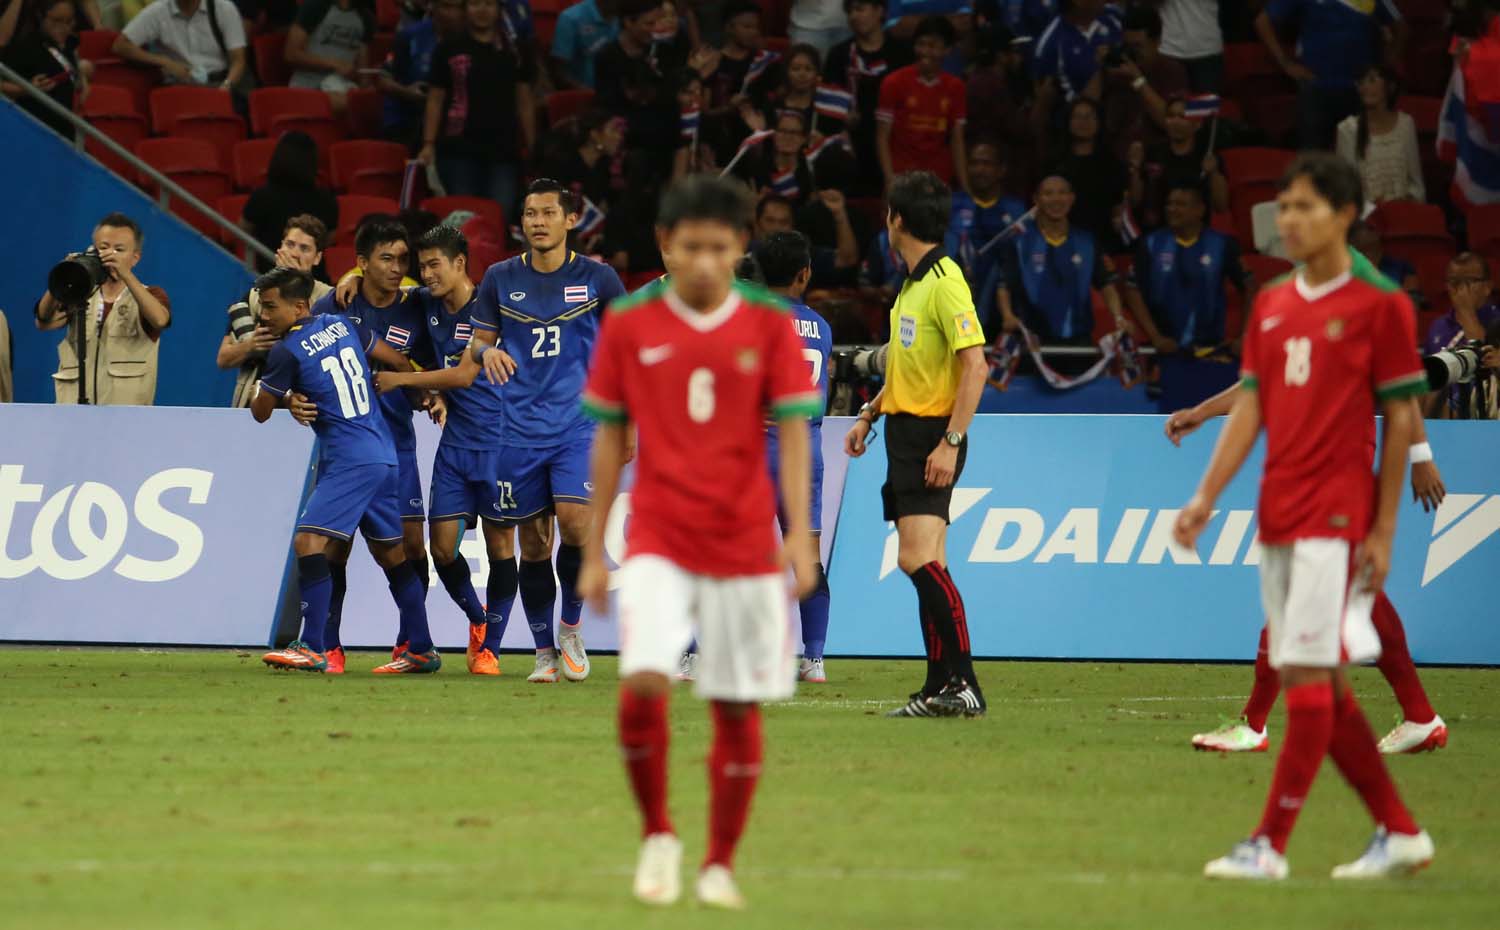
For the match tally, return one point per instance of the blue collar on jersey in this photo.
(526, 260)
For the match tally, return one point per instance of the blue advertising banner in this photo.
(145, 524)
(370, 615)
(1061, 544)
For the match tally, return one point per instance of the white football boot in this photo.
(658, 870)
(812, 672)
(716, 888)
(545, 671)
(1389, 855)
(575, 659)
(1253, 859)
(1233, 736)
(1415, 737)
(687, 668)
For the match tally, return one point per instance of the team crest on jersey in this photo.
(1167, 259)
(518, 296)
(1077, 259)
(575, 293)
(1038, 261)
(398, 337)
(1334, 329)
(746, 360)
(1206, 260)
(462, 332)
(908, 331)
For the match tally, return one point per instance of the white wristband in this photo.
(1420, 452)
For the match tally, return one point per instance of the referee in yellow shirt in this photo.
(935, 374)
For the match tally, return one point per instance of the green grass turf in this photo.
(198, 790)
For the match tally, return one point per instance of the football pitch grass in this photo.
(196, 789)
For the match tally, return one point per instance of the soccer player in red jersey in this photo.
(1322, 350)
(694, 361)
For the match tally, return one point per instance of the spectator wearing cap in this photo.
(583, 30)
(1182, 159)
(48, 58)
(1335, 43)
(922, 111)
(328, 47)
(198, 42)
(1068, 56)
(818, 23)
(1382, 140)
(404, 75)
(1176, 285)
(291, 188)
(983, 212)
(1138, 87)
(859, 65)
(1192, 36)
(1102, 185)
(1048, 271)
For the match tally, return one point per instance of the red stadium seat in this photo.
(549, 6)
(231, 207)
(635, 280)
(268, 104)
(1409, 218)
(366, 116)
(777, 44)
(128, 129)
(489, 209)
(1231, 110)
(1249, 71)
(109, 100)
(223, 132)
(138, 80)
(387, 15)
(1425, 111)
(1432, 274)
(270, 59)
(1266, 268)
(1484, 228)
(355, 207)
(325, 131)
(1414, 248)
(171, 103)
(250, 161)
(1250, 163)
(365, 166)
(380, 48)
(1275, 115)
(338, 260)
(562, 104)
(94, 44)
(173, 154)
(545, 24)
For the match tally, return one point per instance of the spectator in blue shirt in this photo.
(1068, 56)
(403, 78)
(583, 29)
(983, 212)
(1337, 41)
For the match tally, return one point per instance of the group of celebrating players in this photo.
(543, 396)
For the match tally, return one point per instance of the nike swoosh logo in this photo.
(655, 354)
(572, 666)
(1268, 325)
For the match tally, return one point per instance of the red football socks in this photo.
(1267, 686)
(1354, 751)
(1396, 664)
(733, 770)
(1309, 729)
(643, 744)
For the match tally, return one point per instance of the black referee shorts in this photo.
(908, 441)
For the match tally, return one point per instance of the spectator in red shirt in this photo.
(922, 111)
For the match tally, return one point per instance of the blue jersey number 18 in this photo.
(349, 382)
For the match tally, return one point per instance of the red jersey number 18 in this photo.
(1298, 360)
(700, 395)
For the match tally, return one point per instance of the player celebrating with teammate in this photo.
(545, 305)
(323, 361)
(695, 361)
(1321, 349)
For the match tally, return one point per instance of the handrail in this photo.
(166, 185)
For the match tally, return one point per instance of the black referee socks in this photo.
(945, 626)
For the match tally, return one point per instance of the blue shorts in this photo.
(773, 456)
(463, 485)
(532, 480)
(359, 497)
(409, 485)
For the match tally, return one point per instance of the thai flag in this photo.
(785, 183)
(752, 140)
(833, 101)
(839, 141)
(1462, 138)
(1129, 231)
(398, 337)
(575, 294)
(591, 221)
(1009, 232)
(1201, 106)
(688, 122)
(763, 59)
(462, 332)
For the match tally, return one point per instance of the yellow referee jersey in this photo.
(932, 320)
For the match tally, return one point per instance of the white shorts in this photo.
(1318, 617)
(745, 643)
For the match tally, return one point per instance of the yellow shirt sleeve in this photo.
(954, 306)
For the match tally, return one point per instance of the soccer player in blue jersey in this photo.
(324, 361)
(464, 490)
(544, 306)
(381, 250)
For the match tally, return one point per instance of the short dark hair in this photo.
(290, 283)
(121, 221)
(935, 26)
(1192, 187)
(294, 162)
(1001, 154)
(376, 231)
(311, 225)
(923, 202)
(704, 197)
(634, 9)
(849, 5)
(782, 256)
(806, 51)
(739, 8)
(771, 199)
(565, 197)
(1334, 178)
(450, 240)
(1145, 19)
(1472, 258)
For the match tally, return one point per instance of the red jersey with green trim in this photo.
(1321, 359)
(697, 386)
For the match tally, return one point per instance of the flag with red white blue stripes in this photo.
(833, 101)
(1201, 106)
(591, 220)
(785, 182)
(763, 59)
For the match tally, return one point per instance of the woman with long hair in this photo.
(1382, 140)
(1100, 183)
(291, 188)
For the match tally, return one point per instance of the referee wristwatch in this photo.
(954, 439)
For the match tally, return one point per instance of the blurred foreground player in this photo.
(1321, 350)
(695, 361)
(324, 361)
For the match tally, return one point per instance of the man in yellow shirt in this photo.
(935, 373)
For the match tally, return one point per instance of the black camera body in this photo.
(1456, 365)
(73, 280)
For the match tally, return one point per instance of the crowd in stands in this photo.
(1107, 159)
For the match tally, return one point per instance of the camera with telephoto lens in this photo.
(859, 363)
(1455, 365)
(74, 279)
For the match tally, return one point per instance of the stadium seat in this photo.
(325, 131)
(1425, 111)
(562, 104)
(635, 280)
(489, 209)
(1409, 218)
(1413, 247)
(268, 104)
(1252, 163)
(1249, 71)
(128, 129)
(355, 207)
(1484, 228)
(365, 166)
(194, 166)
(250, 161)
(138, 80)
(549, 6)
(223, 132)
(231, 207)
(1266, 268)
(94, 44)
(171, 103)
(1275, 115)
(338, 260)
(1432, 274)
(1231, 110)
(387, 15)
(777, 44)
(109, 100)
(270, 59)
(545, 24)
(366, 115)
(379, 48)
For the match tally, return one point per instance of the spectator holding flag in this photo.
(1469, 133)
(587, 170)
(793, 85)
(858, 65)
(1184, 158)
(1139, 86)
(731, 77)
(775, 161)
(983, 212)
(922, 111)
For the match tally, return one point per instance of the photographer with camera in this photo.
(1460, 352)
(113, 320)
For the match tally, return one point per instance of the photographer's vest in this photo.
(249, 374)
(121, 363)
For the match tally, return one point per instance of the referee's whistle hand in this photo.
(854, 440)
(941, 466)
